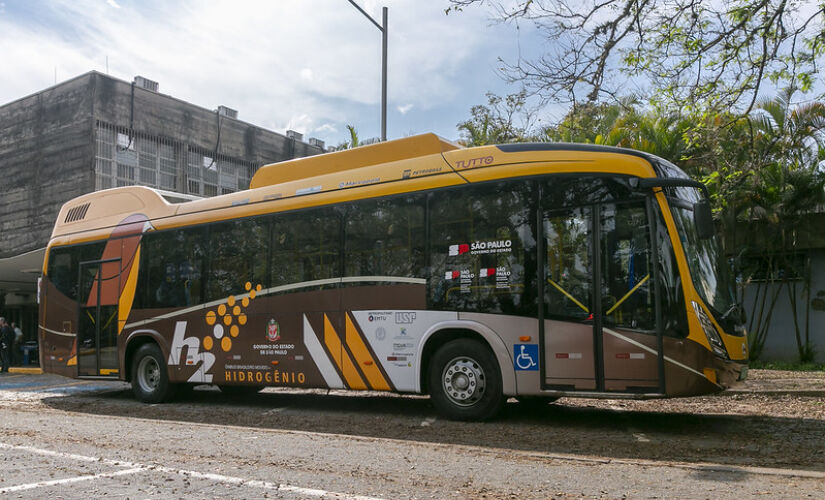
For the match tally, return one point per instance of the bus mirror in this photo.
(703, 219)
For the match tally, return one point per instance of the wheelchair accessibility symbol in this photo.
(525, 357)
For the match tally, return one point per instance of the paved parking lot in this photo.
(80, 439)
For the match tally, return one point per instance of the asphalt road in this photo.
(62, 438)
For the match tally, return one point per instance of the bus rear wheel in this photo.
(464, 381)
(150, 378)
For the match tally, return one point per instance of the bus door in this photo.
(630, 345)
(599, 306)
(98, 322)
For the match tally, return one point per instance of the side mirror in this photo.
(703, 219)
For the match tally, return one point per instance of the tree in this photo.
(353, 141)
(695, 53)
(784, 192)
(502, 120)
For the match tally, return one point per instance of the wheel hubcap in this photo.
(148, 374)
(463, 381)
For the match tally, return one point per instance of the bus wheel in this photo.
(150, 379)
(464, 381)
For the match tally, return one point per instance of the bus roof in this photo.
(348, 159)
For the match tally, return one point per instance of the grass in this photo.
(787, 365)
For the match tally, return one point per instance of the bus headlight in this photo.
(710, 332)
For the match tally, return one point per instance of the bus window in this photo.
(385, 238)
(568, 269)
(172, 262)
(64, 265)
(670, 284)
(306, 246)
(626, 285)
(60, 272)
(482, 249)
(238, 254)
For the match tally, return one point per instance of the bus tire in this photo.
(150, 377)
(464, 381)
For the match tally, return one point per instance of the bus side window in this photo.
(385, 238)
(60, 272)
(171, 262)
(482, 248)
(237, 255)
(568, 293)
(626, 288)
(306, 246)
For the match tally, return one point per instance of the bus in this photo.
(533, 271)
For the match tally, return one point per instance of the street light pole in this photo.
(383, 64)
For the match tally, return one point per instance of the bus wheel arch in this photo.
(150, 375)
(464, 381)
(443, 333)
(135, 342)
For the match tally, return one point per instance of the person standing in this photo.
(16, 353)
(6, 341)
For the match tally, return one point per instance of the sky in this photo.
(312, 66)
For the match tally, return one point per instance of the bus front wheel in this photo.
(150, 378)
(464, 381)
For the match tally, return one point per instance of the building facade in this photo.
(95, 132)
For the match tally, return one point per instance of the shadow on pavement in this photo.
(559, 428)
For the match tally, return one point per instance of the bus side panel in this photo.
(59, 335)
(301, 339)
(686, 363)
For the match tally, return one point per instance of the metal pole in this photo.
(384, 30)
(384, 78)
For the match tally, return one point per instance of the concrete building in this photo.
(95, 132)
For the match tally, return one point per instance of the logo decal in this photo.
(273, 331)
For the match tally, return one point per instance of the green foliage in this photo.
(502, 120)
(696, 54)
(353, 142)
(787, 366)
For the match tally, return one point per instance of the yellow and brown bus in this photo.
(532, 271)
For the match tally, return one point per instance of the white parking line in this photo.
(43, 484)
(137, 467)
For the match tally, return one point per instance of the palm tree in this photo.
(788, 186)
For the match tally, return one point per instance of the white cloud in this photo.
(245, 55)
(326, 127)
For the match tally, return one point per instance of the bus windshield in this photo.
(708, 269)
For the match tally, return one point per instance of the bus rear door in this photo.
(98, 319)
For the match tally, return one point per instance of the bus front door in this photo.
(599, 307)
(98, 319)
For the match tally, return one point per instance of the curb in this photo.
(34, 370)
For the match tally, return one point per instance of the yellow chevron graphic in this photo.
(341, 358)
(362, 356)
